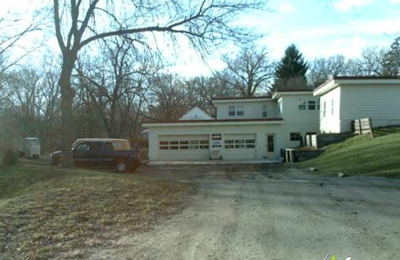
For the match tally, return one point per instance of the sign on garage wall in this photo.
(216, 140)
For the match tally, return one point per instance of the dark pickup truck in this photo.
(101, 153)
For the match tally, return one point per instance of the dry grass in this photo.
(47, 212)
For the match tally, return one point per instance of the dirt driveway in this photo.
(271, 212)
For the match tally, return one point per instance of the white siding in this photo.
(252, 109)
(294, 121)
(380, 103)
(297, 121)
(250, 131)
(330, 122)
(196, 114)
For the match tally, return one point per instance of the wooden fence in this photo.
(362, 126)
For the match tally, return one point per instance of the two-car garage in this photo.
(199, 147)
(203, 140)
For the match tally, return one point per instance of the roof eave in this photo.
(343, 81)
(221, 122)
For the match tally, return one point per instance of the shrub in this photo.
(10, 157)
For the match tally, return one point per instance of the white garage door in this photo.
(240, 147)
(183, 147)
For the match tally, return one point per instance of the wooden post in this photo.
(370, 127)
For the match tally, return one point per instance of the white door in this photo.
(271, 146)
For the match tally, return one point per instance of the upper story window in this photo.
(333, 107)
(312, 105)
(264, 111)
(308, 104)
(324, 109)
(302, 104)
(240, 110)
(236, 111)
(232, 111)
(279, 109)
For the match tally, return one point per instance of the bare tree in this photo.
(13, 29)
(251, 71)
(23, 99)
(79, 23)
(371, 62)
(169, 98)
(31, 102)
(322, 68)
(205, 89)
(114, 82)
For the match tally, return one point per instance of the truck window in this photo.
(82, 147)
(96, 146)
(108, 146)
(34, 142)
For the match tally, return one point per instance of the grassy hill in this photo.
(361, 155)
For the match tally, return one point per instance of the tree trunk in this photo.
(67, 96)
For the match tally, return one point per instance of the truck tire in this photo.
(121, 166)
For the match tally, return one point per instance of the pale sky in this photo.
(322, 28)
(319, 28)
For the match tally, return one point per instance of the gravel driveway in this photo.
(271, 212)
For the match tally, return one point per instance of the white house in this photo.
(344, 99)
(244, 129)
(196, 114)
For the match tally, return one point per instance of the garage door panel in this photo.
(240, 147)
(183, 155)
(183, 137)
(183, 147)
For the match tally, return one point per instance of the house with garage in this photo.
(344, 99)
(244, 129)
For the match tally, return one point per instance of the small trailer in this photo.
(31, 147)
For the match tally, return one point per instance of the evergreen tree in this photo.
(391, 60)
(291, 69)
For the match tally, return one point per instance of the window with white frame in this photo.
(295, 136)
(308, 104)
(240, 144)
(324, 109)
(302, 104)
(264, 111)
(232, 111)
(236, 111)
(333, 106)
(240, 110)
(184, 145)
(311, 105)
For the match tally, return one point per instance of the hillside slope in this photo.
(360, 155)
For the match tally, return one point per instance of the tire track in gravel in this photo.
(273, 213)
